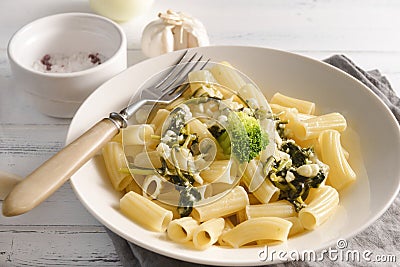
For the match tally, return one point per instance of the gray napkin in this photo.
(382, 238)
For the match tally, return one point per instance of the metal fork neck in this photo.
(118, 119)
(121, 119)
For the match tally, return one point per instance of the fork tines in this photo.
(178, 72)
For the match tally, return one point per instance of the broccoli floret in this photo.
(243, 137)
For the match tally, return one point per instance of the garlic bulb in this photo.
(173, 31)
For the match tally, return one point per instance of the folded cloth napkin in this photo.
(381, 238)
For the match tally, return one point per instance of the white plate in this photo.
(374, 154)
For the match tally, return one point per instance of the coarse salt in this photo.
(62, 63)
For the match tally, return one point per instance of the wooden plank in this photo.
(62, 208)
(339, 25)
(56, 246)
(307, 25)
(22, 149)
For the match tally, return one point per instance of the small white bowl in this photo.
(60, 94)
(121, 10)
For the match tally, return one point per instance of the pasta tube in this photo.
(263, 228)
(205, 235)
(241, 216)
(133, 186)
(302, 106)
(229, 204)
(158, 120)
(199, 78)
(219, 171)
(148, 159)
(322, 202)
(228, 226)
(137, 134)
(152, 186)
(253, 96)
(253, 200)
(227, 76)
(297, 227)
(117, 138)
(181, 230)
(278, 109)
(200, 129)
(311, 128)
(202, 132)
(114, 160)
(280, 209)
(132, 151)
(255, 182)
(332, 154)
(145, 212)
(172, 208)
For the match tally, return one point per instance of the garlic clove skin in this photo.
(173, 31)
(158, 39)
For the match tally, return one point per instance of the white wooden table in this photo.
(61, 231)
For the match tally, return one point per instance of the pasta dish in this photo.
(223, 166)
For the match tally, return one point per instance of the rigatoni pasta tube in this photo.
(332, 154)
(114, 160)
(181, 230)
(172, 208)
(201, 130)
(152, 186)
(322, 204)
(217, 172)
(282, 111)
(137, 134)
(132, 151)
(199, 78)
(255, 182)
(241, 216)
(263, 228)
(227, 76)
(145, 212)
(133, 186)
(207, 233)
(159, 119)
(296, 228)
(230, 203)
(266, 192)
(311, 128)
(280, 209)
(117, 138)
(302, 106)
(228, 226)
(253, 96)
(253, 200)
(148, 159)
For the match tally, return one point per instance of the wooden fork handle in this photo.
(46, 179)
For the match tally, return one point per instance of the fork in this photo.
(171, 86)
(53, 173)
